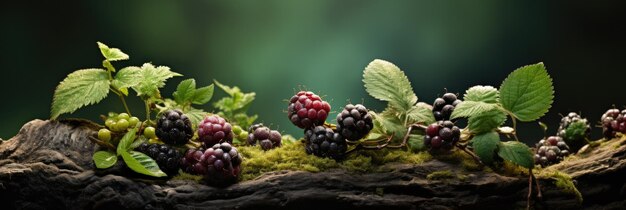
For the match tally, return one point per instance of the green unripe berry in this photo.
(123, 116)
(243, 135)
(236, 130)
(104, 134)
(114, 126)
(122, 124)
(133, 121)
(149, 132)
(109, 122)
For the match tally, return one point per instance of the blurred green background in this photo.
(276, 47)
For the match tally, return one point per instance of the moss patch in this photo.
(566, 184)
(293, 157)
(440, 175)
(186, 176)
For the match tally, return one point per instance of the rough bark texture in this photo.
(48, 165)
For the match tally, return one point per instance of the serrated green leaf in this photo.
(516, 152)
(141, 163)
(485, 146)
(126, 77)
(230, 91)
(195, 115)
(185, 91)
(104, 159)
(487, 94)
(203, 95)
(471, 108)
(126, 141)
(385, 81)
(527, 92)
(389, 124)
(78, 89)
(420, 114)
(152, 78)
(486, 122)
(112, 54)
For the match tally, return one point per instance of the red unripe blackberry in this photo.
(213, 130)
(307, 109)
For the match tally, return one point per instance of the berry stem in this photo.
(102, 143)
(122, 99)
(513, 119)
(463, 147)
(147, 109)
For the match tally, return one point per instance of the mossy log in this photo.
(47, 165)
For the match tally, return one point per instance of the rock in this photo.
(48, 165)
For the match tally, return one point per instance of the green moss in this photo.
(293, 157)
(564, 182)
(186, 176)
(440, 175)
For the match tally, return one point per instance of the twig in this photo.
(463, 148)
(539, 196)
(530, 188)
(102, 143)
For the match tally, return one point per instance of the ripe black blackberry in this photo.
(220, 165)
(354, 122)
(441, 136)
(324, 142)
(574, 130)
(307, 109)
(214, 130)
(167, 157)
(613, 122)
(551, 151)
(443, 107)
(173, 127)
(267, 138)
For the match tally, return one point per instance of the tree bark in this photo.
(48, 165)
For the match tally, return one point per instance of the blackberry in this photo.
(214, 130)
(441, 136)
(324, 142)
(307, 109)
(613, 122)
(574, 130)
(220, 165)
(354, 122)
(167, 157)
(551, 151)
(443, 107)
(267, 138)
(173, 127)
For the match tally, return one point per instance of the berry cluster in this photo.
(307, 109)
(118, 123)
(214, 130)
(324, 142)
(443, 107)
(167, 157)
(551, 151)
(267, 138)
(613, 122)
(442, 135)
(173, 127)
(574, 130)
(220, 165)
(354, 122)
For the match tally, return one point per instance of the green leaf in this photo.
(78, 89)
(485, 146)
(471, 108)
(141, 163)
(386, 82)
(230, 91)
(416, 142)
(516, 152)
(127, 77)
(203, 95)
(104, 159)
(487, 94)
(195, 115)
(527, 92)
(126, 141)
(389, 124)
(185, 91)
(112, 54)
(152, 78)
(486, 122)
(421, 113)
